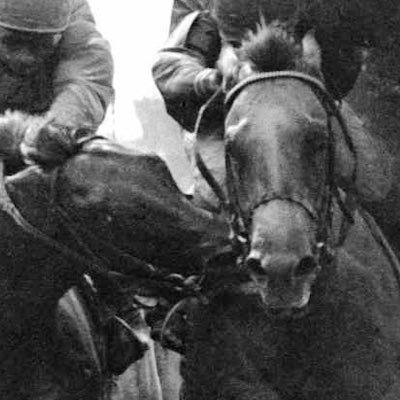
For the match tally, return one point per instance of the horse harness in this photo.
(239, 223)
(324, 251)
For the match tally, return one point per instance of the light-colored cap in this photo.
(40, 16)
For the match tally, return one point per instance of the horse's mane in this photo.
(270, 48)
(274, 47)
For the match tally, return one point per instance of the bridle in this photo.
(239, 223)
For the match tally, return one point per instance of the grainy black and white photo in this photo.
(199, 200)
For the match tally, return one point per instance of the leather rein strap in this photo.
(238, 234)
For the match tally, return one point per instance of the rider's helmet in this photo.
(37, 16)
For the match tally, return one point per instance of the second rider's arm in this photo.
(185, 70)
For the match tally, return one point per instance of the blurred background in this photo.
(136, 30)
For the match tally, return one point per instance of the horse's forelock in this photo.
(270, 48)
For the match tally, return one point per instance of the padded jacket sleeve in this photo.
(193, 46)
(182, 8)
(83, 77)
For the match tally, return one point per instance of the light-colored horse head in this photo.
(278, 142)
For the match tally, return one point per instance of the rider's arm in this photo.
(82, 87)
(184, 71)
(182, 8)
(83, 78)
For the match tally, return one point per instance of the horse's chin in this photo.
(297, 309)
(288, 306)
(288, 313)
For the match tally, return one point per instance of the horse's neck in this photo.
(374, 127)
(376, 96)
(376, 99)
(372, 160)
(30, 190)
(130, 200)
(363, 256)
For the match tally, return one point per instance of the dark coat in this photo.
(75, 85)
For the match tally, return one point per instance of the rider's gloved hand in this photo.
(207, 82)
(49, 144)
(12, 130)
(229, 65)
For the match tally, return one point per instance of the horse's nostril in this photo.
(254, 265)
(306, 265)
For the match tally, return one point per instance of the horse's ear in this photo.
(311, 50)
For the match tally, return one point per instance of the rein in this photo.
(86, 258)
(238, 234)
(239, 224)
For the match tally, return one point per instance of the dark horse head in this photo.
(103, 206)
(280, 160)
